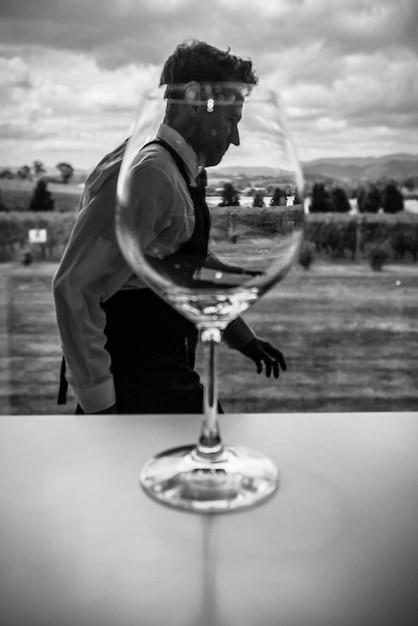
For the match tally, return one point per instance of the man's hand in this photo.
(265, 356)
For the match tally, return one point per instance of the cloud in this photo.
(14, 73)
(66, 97)
(347, 70)
(125, 31)
(19, 131)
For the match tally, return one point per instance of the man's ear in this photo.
(192, 92)
(192, 96)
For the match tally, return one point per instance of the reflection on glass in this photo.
(251, 228)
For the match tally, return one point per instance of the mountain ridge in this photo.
(398, 166)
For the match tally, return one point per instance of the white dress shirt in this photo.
(93, 269)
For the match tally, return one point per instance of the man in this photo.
(127, 351)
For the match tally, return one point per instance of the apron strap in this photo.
(62, 391)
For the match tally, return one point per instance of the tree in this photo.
(279, 197)
(66, 171)
(368, 199)
(297, 198)
(321, 199)
(7, 173)
(24, 172)
(392, 199)
(411, 183)
(340, 201)
(230, 196)
(38, 168)
(258, 199)
(41, 198)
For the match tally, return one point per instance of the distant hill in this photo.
(344, 169)
(248, 171)
(397, 166)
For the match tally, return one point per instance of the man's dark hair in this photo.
(198, 61)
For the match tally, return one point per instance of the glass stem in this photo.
(210, 443)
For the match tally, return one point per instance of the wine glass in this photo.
(254, 196)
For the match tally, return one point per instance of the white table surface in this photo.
(82, 545)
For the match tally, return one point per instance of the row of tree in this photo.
(231, 197)
(38, 171)
(371, 198)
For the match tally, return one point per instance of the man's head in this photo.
(203, 105)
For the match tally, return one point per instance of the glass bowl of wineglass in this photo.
(251, 220)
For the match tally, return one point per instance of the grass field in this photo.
(16, 194)
(350, 337)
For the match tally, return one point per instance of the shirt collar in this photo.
(184, 149)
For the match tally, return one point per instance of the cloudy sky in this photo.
(71, 71)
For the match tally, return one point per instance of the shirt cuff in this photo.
(237, 334)
(98, 397)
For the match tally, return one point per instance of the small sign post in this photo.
(38, 236)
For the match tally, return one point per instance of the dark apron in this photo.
(152, 346)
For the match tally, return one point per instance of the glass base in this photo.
(236, 478)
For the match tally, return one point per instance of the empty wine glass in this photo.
(254, 226)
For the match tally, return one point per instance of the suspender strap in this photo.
(178, 160)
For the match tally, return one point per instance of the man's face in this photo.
(216, 129)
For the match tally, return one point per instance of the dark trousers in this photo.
(152, 348)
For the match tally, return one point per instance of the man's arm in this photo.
(91, 270)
